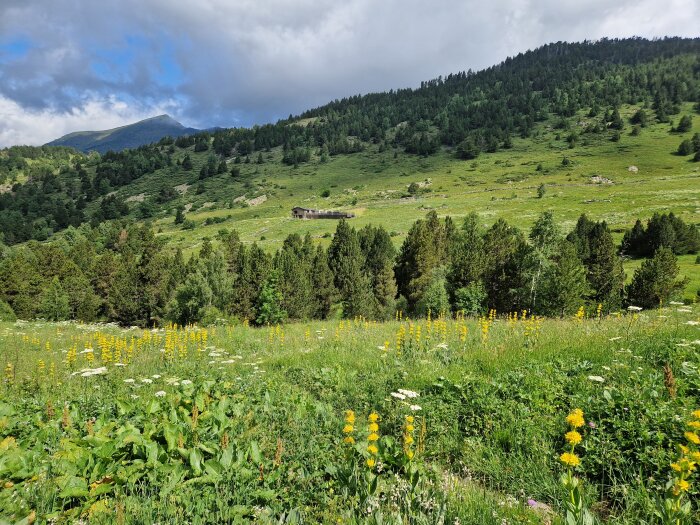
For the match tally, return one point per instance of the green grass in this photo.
(266, 443)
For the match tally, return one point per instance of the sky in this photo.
(71, 65)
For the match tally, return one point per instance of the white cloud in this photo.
(20, 125)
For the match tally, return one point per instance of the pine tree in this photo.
(54, 304)
(605, 274)
(654, 282)
(322, 285)
(468, 258)
(269, 305)
(346, 262)
(565, 287)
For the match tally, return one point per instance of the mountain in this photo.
(131, 136)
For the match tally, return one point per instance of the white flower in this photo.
(398, 396)
(684, 310)
(415, 408)
(606, 368)
(87, 351)
(119, 364)
(87, 372)
(634, 308)
(129, 380)
(676, 303)
(160, 393)
(596, 378)
(693, 323)
(146, 380)
(134, 396)
(186, 382)
(409, 393)
(615, 338)
(155, 376)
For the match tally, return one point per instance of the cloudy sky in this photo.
(68, 65)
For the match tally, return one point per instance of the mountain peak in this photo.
(133, 135)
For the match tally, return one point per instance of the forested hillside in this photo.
(468, 113)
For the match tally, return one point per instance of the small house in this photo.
(305, 213)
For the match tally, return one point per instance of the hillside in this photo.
(131, 136)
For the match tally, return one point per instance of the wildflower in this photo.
(129, 380)
(598, 379)
(398, 396)
(572, 437)
(694, 424)
(575, 419)
(371, 462)
(373, 417)
(350, 417)
(415, 408)
(373, 437)
(696, 414)
(347, 429)
(147, 381)
(570, 459)
(186, 382)
(372, 449)
(692, 437)
(408, 393)
(160, 393)
(681, 486)
(349, 440)
(373, 427)
(634, 308)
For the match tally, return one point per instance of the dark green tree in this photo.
(654, 282)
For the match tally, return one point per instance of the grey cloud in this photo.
(250, 61)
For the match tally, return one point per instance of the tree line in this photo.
(117, 271)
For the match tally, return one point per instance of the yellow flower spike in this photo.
(373, 427)
(573, 437)
(347, 429)
(371, 462)
(692, 437)
(349, 417)
(575, 419)
(373, 417)
(410, 428)
(569, 459)
(409, 419)
(372, 449)
(681, 486)
(373, 437)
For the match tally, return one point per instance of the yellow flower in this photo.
(572, 437)
(372, 449)
(373, 437)
(681, 486)
(349, 440)
(695, 456)
(569, 459)
(676, 467)
(684, 449)
(694, 424)
(373, 417)
(696, 413)
(373, 427)
(408, 440)
(371, 462)
(347, 429)
(575, 419)
(692, 437)
(409, 419)
(350, 417)
(409, 454)
(410, 428)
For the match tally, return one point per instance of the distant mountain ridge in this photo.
(133, 135)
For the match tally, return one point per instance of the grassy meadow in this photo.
(373, 184)
(234, 424)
